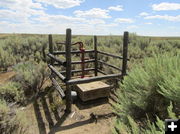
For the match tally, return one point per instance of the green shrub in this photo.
(31, 76)
(149, 87)
(146, 127)
(6, 59)
(11, 92)
(12, 122)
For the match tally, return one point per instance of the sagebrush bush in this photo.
(131, 126)
(31, 76)
(149, 87)
(11, 92)
(12, 121)
(6, 59)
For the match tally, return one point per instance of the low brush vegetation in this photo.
(146, 93)
(149, 94)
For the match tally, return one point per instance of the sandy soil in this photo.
(43, 120)
(4, 77)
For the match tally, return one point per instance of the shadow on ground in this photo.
(50, 121)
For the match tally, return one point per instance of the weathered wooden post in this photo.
(51, 49)
(68, 70)
(125, 50)
(95, 56)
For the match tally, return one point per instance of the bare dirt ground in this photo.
(5, 76)
(43, 120)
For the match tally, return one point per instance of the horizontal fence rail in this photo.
(101, 72)
(58, 88)
(86, 61)
(78, 71)
(56, 59)
(108, 54)
(72, 52)
(91, 79)
(112, 55)
(56, 72)
(61, 43)
(104, 63)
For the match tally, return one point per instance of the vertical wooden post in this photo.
(95, 56)
(51, 48)
(68, 70)
(125, 50)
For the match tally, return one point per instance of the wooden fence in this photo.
(65, 76)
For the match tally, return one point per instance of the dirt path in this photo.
(4, 77)
(45, 121)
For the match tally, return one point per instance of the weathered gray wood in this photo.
(125, 50)
(102, 72)
(104, 63)
(68, 70)
(57, 73)
(57, 87)
(51, 48)
(91, 79)
(108, 54)
(61, 43)
(95, 56)
(78, 71)
(72, 52)
(56, 59)
(86, 61)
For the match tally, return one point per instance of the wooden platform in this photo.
(93, 90)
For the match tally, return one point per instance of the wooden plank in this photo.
(51, 47)
(72, 52)
(102, 72)
(104, 63)
(95, 56)
(57, 73)
(86, 61)
(79, 70)
(108, 54)
(68, 70)
(58, 88)
(91, 79)
(60, 43)
(125, 50)
(56, 59)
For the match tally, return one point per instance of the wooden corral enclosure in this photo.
(87, 87)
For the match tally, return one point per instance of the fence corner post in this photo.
(95, 56)
(68, 70)
(125, 51)
(51, 47)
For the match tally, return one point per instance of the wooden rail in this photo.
(108, 54)
(79, 70)
(86, 61)
(57, 73)
(56, 59)
(58, 88)
(104, 63)
(72, 52)
(102, 72)
(91, 79)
